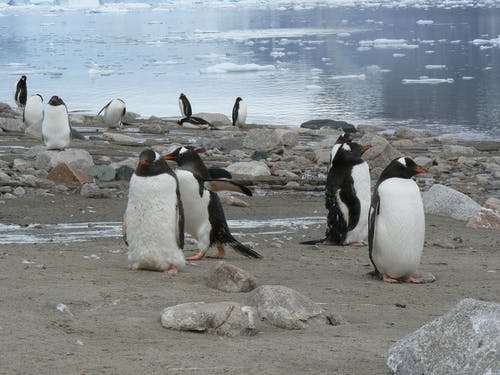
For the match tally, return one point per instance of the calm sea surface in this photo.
(432, 68)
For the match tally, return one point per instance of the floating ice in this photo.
(495, 42)
(398, 55)
(431, 67)
(387, 44)
(235, 68)
(99, 71)
(467, 78)
(348, 76)
(427, 81)
(425, 22)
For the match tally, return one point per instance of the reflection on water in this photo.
(429, 68)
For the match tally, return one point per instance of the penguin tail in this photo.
(126, 123)
(243, 249)
(311, 242)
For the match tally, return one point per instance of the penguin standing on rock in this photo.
(185, 106)
(239, 113)
(21, 93)
(114, 112)
(347, 197)
(205, 219)
(397, 223)
(33, 111)
(154, 218)
(56, 130)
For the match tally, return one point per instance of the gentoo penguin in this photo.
(33, 111)
(21, 94)
(185, 106)
(154, 218)
(194, 122)
(344, 137)
(204, 216)
(56, 130)
(113, 114)
(397, 223)
(347, 197)
(239, 112)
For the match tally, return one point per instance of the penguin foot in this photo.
(390, 279)
(412, 279)
(357, 244)
(198, 256)
(171, 270)
(220, 253)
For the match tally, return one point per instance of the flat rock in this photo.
(381, 153)
(488, 217)
(404, 132)
(249, 168)
(444, 201)
(229, 278)
(11, 124)
(327, 123)
(67, 174)
(151, 128)
(265, 140)
(459, 150)
(101, 172)
(464, 341)
(48, 159)
(34, 131)
(223, 318)
(121, 139)
(285, 308)
(322, 156)
(216, 119)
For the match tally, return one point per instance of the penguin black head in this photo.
(151, 164)
(188, 158)
(182, 96)
(344, 137)
(403, 167)
(23, 78)
(55, 100)
(238, 99)
(349, 153)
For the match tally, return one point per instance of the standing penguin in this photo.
(21, 93)
(33, 111)
(154, 218)
(185, 106)
(397, 222)
(239, 112)
(347, 197)
(56, 130)
(205, 219)
(113, 114)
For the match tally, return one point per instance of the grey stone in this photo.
(459, 150)
(404, 132)
(444, 201)
(249, 168)
(75, 134)
(229, 278)
(19, 191)
(92, 190)
(463, 341)
(129, 162)
(227, 144)
(124, 173)
(285, 308)
(266, 140)
(101, 172)
(4, 177)
(151, 128)
(288, 137)
(327, 123)
(11, 124)
(381, 153)
(216, 119)
(423, 161)
(403, 143)
(121, 139)
(34, 131)
(223, 319)
(322, 156)
(78, 158)
(488, 217)
(259, 155)
(22, 165)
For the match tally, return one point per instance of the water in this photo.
(427, 67)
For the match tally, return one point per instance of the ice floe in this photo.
(427, 81)
(425, 22)
(348, 76)
(387, 44)
(228, 67)
(432, 67)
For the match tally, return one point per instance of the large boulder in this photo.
(327, 123)
(216, 119)
(285, 308)
(11, 124)
(68, 175)
(223, 318)
(381, 153)
(444, 201)
(488, 217)
(249, 168)
(102, 172)
(266, 140)
(464, 341)
(229, 278)
(48, 159)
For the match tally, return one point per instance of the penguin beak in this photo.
(420, 170)
(169, 157)
(366, 147)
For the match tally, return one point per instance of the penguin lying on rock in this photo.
(204, 216)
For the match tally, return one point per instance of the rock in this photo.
(259, 155)
(68, 174)
(322, 156)
(4, 177)
(129, 162)
(289, 137)
(78, 158)
(22, 165)
(284, 173)
(327, 123)
(101, 172)
(249, 168)
(11, 124)
(488, 217)
(75, 134)
(151, 128)
(423, 161)
(4, 107)
(216, 119)
(223, 318)
(124, 173)
(224, 144)
(444, 201)
(403, 143)
(121, 139)
(19, 191)
(34, 131)
(464, 341)
(381, 153)
(284, 307)
(459, 150)
(229, 278)
(404, 132)
(265, 140)
(229, 199)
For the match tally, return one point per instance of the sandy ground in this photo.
(112, 322)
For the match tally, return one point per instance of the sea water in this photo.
(424, 64)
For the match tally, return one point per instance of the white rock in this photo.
(444, 201)
(250, 168)
(11, 124)
(216, 119)
(78, 158)
(121, 139)
(459, 150)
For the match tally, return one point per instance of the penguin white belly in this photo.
(242, 114)
(399, 228)
(361, 177)
(33, 111)
(55, 127)
(152, 223)
(113, 114)
(196, 216)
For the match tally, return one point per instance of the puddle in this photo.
(80, 232)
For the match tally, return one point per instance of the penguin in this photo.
(344, 137)
(185, 106)
(113, 114)
(154, 217)
(204, 216)
(33, 111)
(239, 112)
(347, 197)
(397, 223)
(214, 179)
(194, 122)
(56, 130)
(21, 94)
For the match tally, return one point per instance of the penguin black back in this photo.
(186, 106)
(21, 94)
(236, 108)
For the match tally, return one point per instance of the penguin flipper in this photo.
(179, 211)
(348, 196)
(218, 185)
(124, 230)
(336, 228)
(219, 173)
(244, 250)
(103, 108)
(372, 216)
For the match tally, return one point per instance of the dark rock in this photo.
(101, 172)
(229, 278)
(75, 134)
(69, 175)
(124, 173)
(259, 155)
(327, 123)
